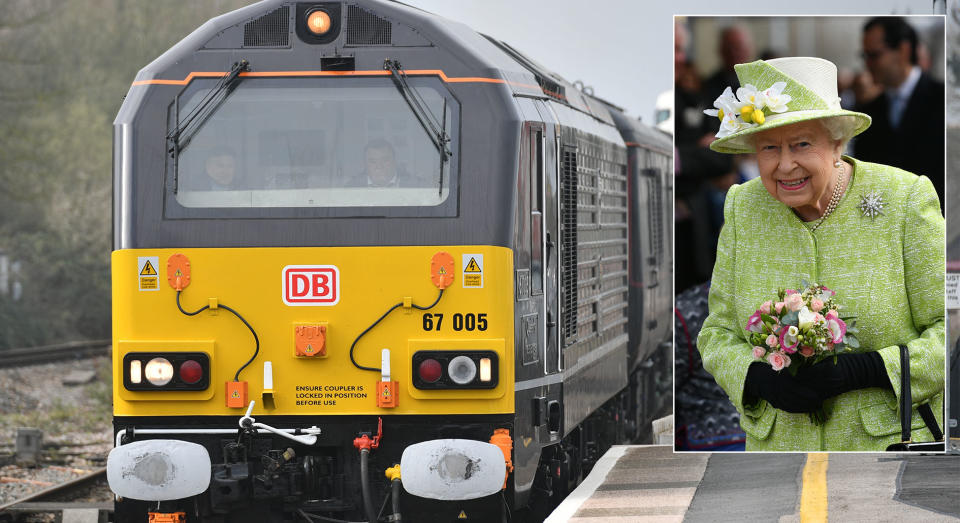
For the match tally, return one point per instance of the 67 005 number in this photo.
(461, 322)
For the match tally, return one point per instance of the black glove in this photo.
(780, 389)
(850, 372)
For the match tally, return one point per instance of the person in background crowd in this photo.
(736, 47)
(908, 117)
(701, 176)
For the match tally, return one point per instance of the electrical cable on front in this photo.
(236, 377)
(391, 309)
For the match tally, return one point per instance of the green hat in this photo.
(779, 92)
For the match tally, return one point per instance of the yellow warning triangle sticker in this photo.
(472, 266)
(463, 514)
(442, 270)
(148, 270)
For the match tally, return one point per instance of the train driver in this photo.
(221, 170)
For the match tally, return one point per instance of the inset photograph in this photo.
(810, 233)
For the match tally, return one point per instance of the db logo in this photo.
(311, 285)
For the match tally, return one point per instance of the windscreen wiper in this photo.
(188, 127)
(435, 130)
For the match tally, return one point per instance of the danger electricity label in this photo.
(149, 280)
(473, 271)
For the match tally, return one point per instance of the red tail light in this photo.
(191, 372)
(430, 370)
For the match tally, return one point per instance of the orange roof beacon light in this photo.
(318, 22)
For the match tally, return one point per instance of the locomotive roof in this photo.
(469, 53)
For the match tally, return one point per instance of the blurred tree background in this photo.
(66, 66)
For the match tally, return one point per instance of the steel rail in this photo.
(48, 353)
(61, 487)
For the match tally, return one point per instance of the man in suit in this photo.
(908, 118)
(380, 168)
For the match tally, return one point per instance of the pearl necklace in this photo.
(838, 189)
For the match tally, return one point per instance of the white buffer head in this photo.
(452, 469)
(158, 470)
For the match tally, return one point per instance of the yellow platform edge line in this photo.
(813, 493)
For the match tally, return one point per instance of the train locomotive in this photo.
(370, 264)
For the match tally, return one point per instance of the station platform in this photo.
(651, 483)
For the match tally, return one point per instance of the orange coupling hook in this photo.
(366, 442)
(502, 439)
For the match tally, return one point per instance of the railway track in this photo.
(55, 499)
(59, 352)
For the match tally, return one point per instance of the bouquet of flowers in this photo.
(801, 327)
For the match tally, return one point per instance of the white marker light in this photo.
(267, 375)
(136, 372)
(385, 365)
(159, 371)
(484, 369)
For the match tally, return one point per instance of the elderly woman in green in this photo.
(871, 233)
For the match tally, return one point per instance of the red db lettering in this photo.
(314, 285)
(300, 285)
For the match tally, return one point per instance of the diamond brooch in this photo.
(871, 204)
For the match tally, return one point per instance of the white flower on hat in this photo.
(750, 95)
(732, 123)
(774, 98)
(725, 104)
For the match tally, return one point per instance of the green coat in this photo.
(888, 272)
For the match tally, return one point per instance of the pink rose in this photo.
(765, 307)
(816, 305)
(793, 302)
(778, 360)
(754, 323)
(788, 339)
(778, 306)
(758, 352)
(806, 351)
(772, 341)
(832, 315)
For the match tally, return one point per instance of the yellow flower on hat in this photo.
(750, 95)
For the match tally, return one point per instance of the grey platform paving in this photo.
(654, 484)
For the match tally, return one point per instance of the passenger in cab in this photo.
(380, 168)
(872, 234)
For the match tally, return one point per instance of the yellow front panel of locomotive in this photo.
(275, 291)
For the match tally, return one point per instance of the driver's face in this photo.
(381, 167)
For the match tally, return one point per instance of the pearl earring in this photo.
(837, 163)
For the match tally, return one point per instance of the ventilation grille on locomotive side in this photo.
(270, 30)
(366, 28)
